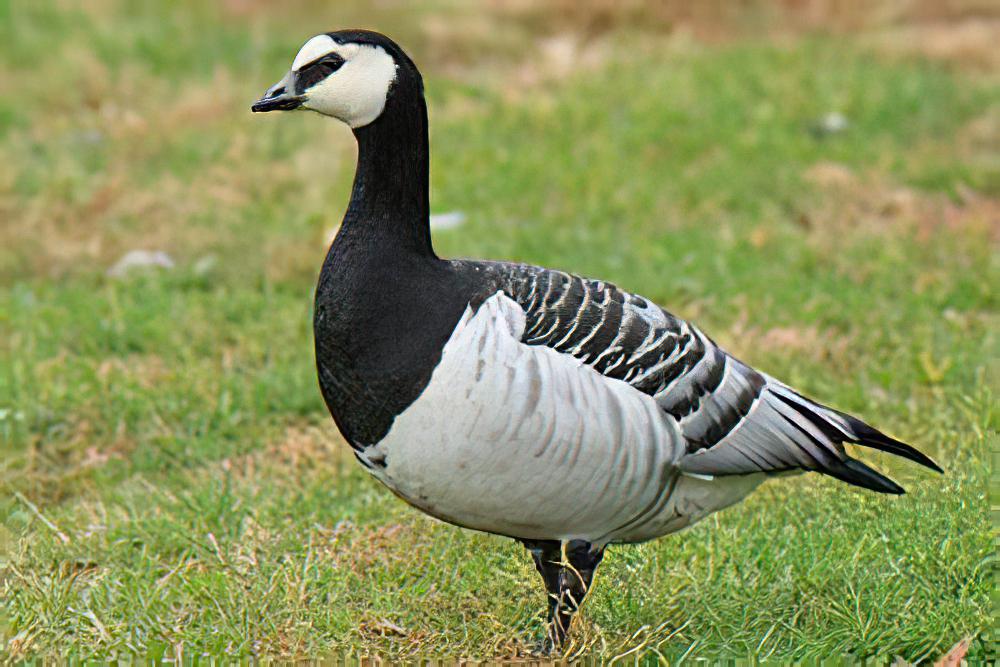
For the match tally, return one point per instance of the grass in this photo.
(170, 483)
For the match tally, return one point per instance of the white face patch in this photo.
(356, 92)
(317, 46)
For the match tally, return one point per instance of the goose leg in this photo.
(547, 555)
(567, 580)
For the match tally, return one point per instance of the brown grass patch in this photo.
(557, 57)
(145, 370)
(871, 203)
(822, 346)
(57, 464)
(978, 141)
(724, 19)
(973, 42)
(360, 548)
(306, 445)
(302, 449)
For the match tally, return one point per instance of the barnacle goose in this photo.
(560, 411)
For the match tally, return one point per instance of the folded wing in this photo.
(734, 419)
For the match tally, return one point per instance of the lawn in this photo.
(170, 482)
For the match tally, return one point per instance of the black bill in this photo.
(277, 99)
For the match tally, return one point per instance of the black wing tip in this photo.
(857, 473)
(872, 437)
(863, 434)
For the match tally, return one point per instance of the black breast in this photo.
(380, 325)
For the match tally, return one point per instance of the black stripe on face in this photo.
(312, 73)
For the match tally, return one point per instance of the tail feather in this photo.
(840, 428)
(871, 437)
(857, 473)
(786, 431)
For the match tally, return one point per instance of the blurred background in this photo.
(815, 182)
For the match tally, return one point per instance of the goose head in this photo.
(350, 75)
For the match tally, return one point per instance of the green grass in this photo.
(168, 426)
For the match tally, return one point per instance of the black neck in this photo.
(389, 202)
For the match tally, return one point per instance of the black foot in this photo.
(567, 573)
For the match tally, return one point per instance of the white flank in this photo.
(529, 442)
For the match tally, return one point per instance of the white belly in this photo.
(526, 441)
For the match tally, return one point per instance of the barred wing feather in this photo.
(735, 420)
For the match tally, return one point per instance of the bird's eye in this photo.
(316, 71)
